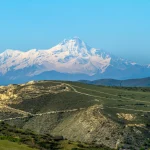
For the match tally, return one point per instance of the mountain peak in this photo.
(70, 56)
(75, 43)
(75, 39)
(10, 52)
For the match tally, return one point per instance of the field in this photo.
(7, 145)
(115, 100)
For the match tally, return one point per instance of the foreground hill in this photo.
(71, 59)
(144, 82)
(114, 117)
(12, 138)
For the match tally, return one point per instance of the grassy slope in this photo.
(12, 138)
(7, 145)
(114, 100)
(64, 145)
(119, 100)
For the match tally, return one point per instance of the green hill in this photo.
(12, 138)
(98, 115)
(7, 145)
(144, 82)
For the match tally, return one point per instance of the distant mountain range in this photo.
(143, 82)
(71, 59)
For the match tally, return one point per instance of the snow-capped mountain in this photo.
(70, 57)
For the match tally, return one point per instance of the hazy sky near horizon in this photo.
(121, 27)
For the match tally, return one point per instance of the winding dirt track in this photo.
(26, 114)
(127, 109)
(103, 93)
(45, 113)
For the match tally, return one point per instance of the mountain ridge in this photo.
(71, 56)
(142, 82)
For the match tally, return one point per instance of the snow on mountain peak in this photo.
(70, 56)
(75, 44)
(75, 39)
(74, 47)
(10, 52)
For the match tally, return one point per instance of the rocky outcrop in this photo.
(89, 126)
(128, 117)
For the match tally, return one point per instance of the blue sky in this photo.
(118, 26)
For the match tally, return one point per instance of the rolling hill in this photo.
(12, 138)
(111, 116)
(144, 82)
